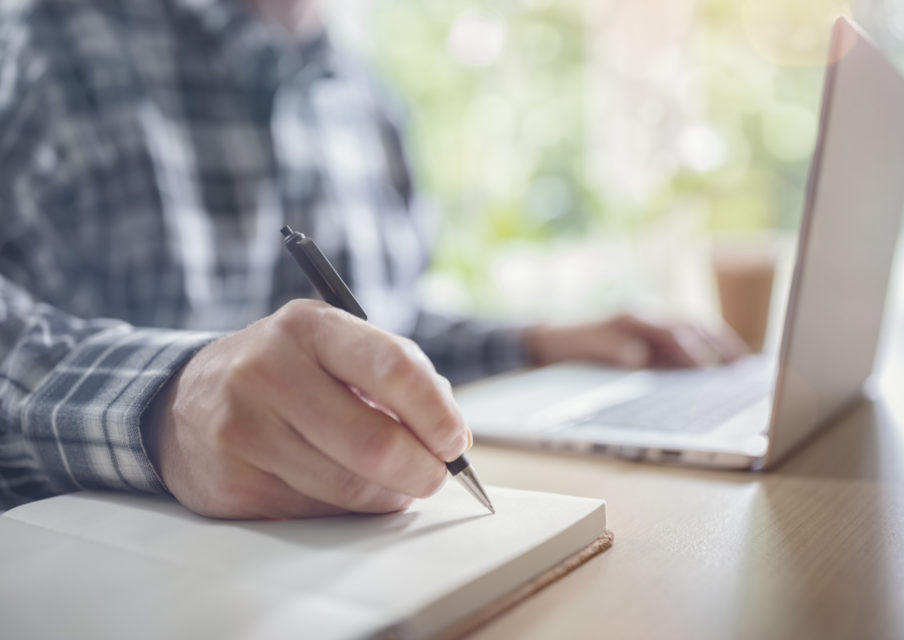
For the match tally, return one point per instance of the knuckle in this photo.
(296, 315)
(322, 320)
(415, 353)
(403, 366)
(397, 365)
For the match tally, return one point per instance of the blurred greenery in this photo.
(503, 94)
(499, 146)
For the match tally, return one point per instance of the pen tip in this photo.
(467, 477)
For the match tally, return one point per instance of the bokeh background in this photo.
(583, 154)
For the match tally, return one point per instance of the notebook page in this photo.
(338, 577)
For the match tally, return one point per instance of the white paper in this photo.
(149, 563)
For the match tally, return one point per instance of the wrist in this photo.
(156, 423)
(538, 344)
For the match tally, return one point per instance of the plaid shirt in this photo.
(150, 150)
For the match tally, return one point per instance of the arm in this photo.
(633, 342)
(307, 412)
(72, 393)
(279, 419)
(467, 348)
(464, 349)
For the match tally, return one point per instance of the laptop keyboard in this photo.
(688, 401)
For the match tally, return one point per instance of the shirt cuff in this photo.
(83, 424)
(507, 349)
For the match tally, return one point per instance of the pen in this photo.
(334, 291)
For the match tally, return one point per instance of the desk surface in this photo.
(812, 549)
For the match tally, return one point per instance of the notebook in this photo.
(95, 565)
(755, 412)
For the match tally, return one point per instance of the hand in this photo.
(296, 416)
(629, 341)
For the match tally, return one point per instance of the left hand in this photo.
(632, 342)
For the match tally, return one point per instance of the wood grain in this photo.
(810, 550)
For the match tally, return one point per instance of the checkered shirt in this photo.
(150, 151)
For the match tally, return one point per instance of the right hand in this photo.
(273, 421)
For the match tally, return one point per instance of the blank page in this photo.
(140, 566)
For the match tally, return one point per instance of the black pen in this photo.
(334, 291)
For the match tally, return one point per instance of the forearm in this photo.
(73, 394)
(463, 349)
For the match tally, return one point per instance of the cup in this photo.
(744, 270)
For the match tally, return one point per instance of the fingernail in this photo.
(470, 440)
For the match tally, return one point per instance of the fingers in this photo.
(264, 422)
(263, 495)
(321, 485)
(260, 491)
(286, 377)
(397, 375)
(728, 343)
(595, 341)
(255, 465)
(684, 345)
(670, 346)
(380, 449)
(632, 342)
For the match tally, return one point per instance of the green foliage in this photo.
(501, 130)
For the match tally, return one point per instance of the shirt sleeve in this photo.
(72, 391)
(464, 349)
(72, 394)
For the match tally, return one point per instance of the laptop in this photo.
(752, 413)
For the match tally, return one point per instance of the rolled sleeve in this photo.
(72, 395)
(83, 423)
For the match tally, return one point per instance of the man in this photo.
(150, 150)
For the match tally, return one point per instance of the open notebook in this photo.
(113, 565)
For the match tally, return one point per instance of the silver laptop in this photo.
(752, 413)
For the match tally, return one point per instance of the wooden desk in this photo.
(814, 549)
